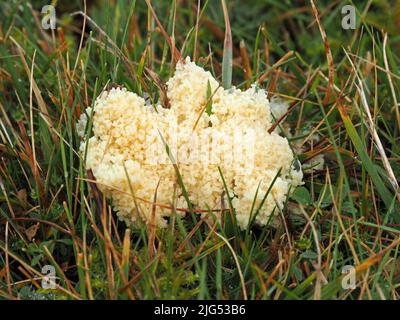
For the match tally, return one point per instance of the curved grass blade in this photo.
(227, 58)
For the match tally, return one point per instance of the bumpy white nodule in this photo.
(128, 158)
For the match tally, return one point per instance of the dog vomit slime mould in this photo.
(206, 128)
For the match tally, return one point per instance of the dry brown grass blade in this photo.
(396, 104)
(27, 155)
(42, 104)
(318, 268)
(196, 30)
(228, 50)
(111, 252)
(137, 276)
(244, 290)
(191, 234)
(294, 103)
(248, 72)
(30, 278)
(372, 128)
(175, 52)
(262, 78)
(366, 264)
(218, 33)
(95, 192)
(87, 265)
(328, 52)
(126, 247)
(81, 41)
(7, 268)
(153, 225)
(35, 164)
(110, 274)
(129, 65)
(203, 245)
(340, 220)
